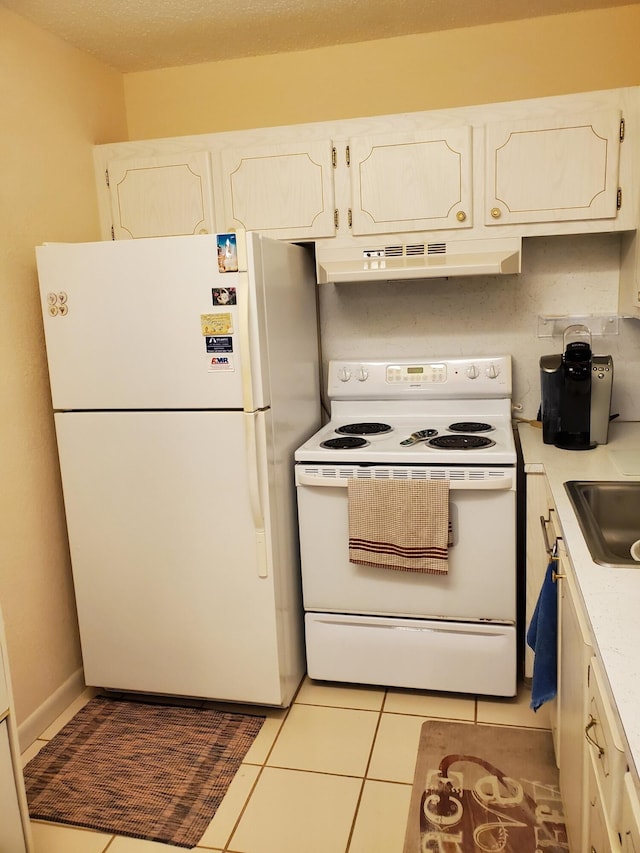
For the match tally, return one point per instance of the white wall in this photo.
(575, 275)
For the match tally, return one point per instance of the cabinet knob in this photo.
(461, 216)
(496, 212)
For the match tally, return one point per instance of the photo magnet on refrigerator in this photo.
(223, 295)
(227, 253)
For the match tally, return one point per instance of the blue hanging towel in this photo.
(542, 637)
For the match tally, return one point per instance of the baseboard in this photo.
(31, 728)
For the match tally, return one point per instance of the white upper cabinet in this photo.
(553, 169)
(415, 181)
(161, 196)
(284, 190)
(536, 167)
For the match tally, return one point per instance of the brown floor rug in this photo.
(485, 788)
(151, 771)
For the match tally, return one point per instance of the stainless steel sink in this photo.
(609, 515)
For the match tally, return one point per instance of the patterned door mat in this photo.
(151, 771)
(484, 788)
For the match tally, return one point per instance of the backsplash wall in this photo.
(492, 315)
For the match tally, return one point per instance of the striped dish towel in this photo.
(400, 524)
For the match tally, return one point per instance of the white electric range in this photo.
(414, 419)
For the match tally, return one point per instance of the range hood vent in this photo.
(402, 261)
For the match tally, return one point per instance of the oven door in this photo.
(481, 580)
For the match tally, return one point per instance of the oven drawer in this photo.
(414, 653)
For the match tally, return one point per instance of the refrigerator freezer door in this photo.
(173, 594)
(141, 324)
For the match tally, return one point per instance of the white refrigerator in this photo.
(181, 388)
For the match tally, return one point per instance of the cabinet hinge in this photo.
(113, 233)
(336, 219)
(106, 177)
(334, 158)
(621, 129)
(347, 155)
(619, 199)
(350, 218)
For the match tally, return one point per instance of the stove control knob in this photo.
(472, 372)
(344, 374)
(492, 371)
(362, 375)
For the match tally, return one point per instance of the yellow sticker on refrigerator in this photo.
(216, 324)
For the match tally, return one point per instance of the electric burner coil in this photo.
(366, 428)
(344, 442)
(470, 426)
(460, 442)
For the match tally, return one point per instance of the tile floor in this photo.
(332, 774)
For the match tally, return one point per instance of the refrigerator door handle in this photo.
(255, 501)
(245, 342)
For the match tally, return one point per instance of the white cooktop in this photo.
(410, 395)
(387, 448)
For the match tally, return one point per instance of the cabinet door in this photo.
(573, 661)
(539, 510)
(162, 196)
(283, 190)
(551, 170)
(630, 822)
(543, 532)
(600, 837)
(417, 181)
(605, 745)
(629, 293)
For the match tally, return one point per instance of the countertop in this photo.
(611, 596)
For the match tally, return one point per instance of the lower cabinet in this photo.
(540, 536)
(606, 765)
(630, 817)
(604, 742)
(600, 836)
(600, 792)
(600, 797)
(574, 654)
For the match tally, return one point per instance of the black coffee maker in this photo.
(576, 393)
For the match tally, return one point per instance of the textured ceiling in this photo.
(137, 35)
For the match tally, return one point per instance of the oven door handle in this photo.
(499, 483)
